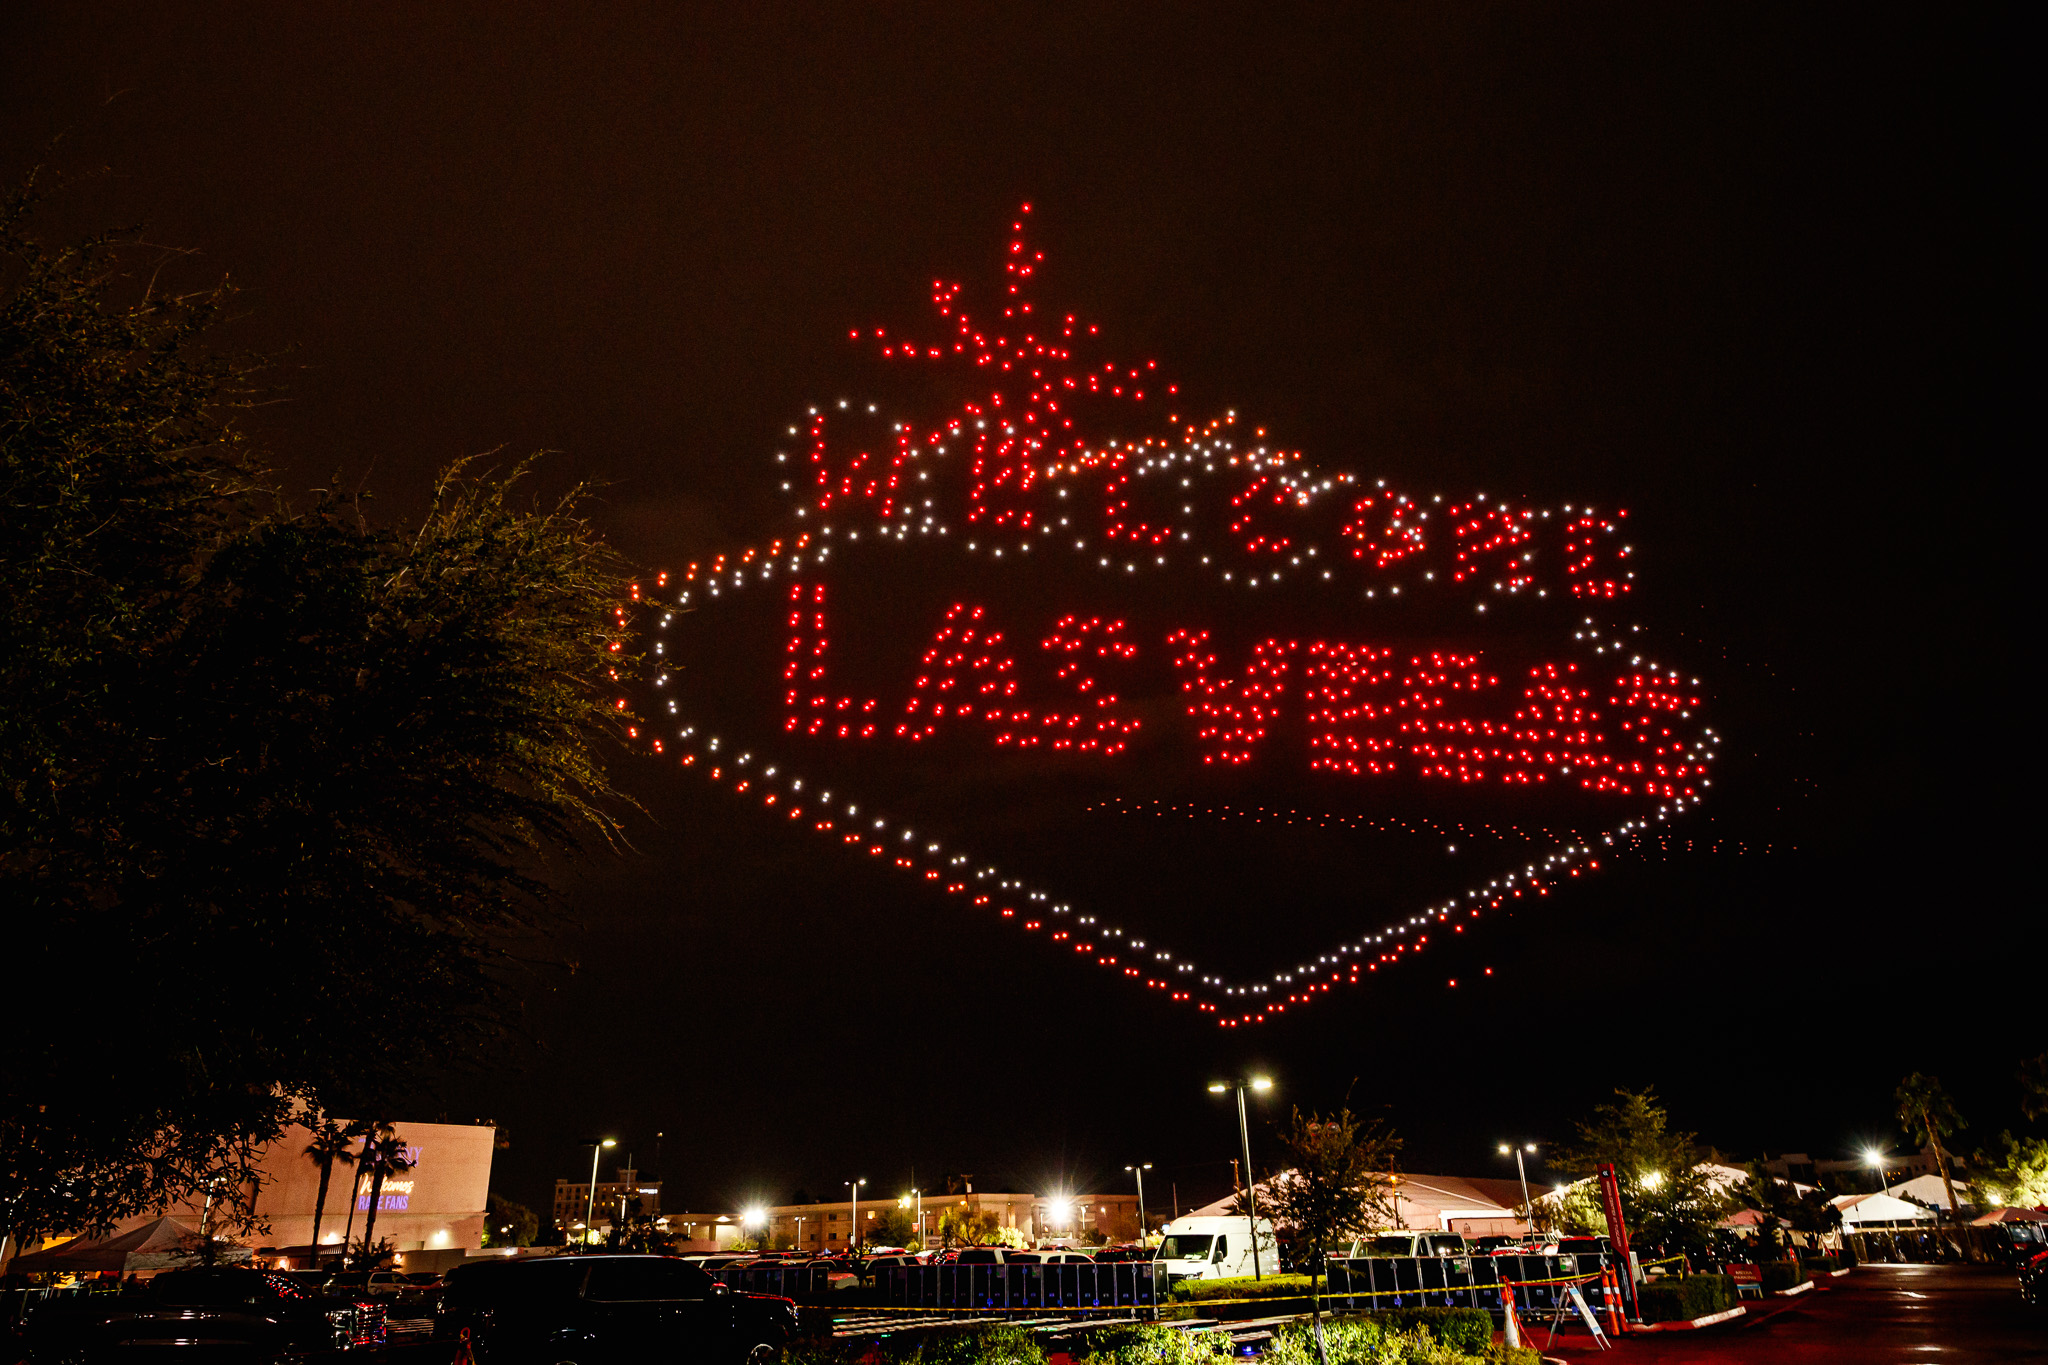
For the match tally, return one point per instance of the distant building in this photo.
(829, 1226)
(432, 1215)
(1800, 1166)
(627, 1194)
(691, 1233)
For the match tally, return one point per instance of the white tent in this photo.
(160, 1244)
(1928, 1190)
(1861, 1211)
(1429, 1203)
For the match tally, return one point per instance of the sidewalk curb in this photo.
(1708, 1321)
(1799, 1288)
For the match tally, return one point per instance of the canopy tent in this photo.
(1427, 1203)
(2010, 1216)
(1879, 1210)
(157, 1245)
(1931, 1190)
(1747, 1220)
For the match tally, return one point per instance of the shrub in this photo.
(1846, 1256)
(1782, 1275)
(999, 1344)
(1149, 1345)
(1818, 1265)
(1350, 1341)
(1463, 1329)
(1695, 1296)
(995, 1344)
(1244, 1287)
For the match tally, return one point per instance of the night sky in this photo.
(1749, 274)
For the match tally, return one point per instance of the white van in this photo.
(1214, 1248)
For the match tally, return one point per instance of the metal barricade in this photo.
(1021, 1287)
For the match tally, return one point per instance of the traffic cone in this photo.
(1512, 1328)
(1610, 1290)
(463, 1355)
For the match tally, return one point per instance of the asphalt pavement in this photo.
(1881, 1314)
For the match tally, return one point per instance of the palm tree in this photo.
(370, 1132)
(388, 1156)
(330, 1144)
(1924, 1105)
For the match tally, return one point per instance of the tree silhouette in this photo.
(330, 1144)
(1336, 1186)
(386, 1157)
(1925, 1107)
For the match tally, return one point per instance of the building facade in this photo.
(625, 1196)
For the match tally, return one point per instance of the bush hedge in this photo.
(1464, 1329)
(1422, 1336)
(1782, 1275)
(1819, 1265)
(995, 1344)
(1696, 1296)
(1146, 1345)
(1244, 1287)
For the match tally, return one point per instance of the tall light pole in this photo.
(1139, 1171)
(854, 1236)
(1244, 1136)
(1876, 1158)
(915, 1199)
(1528, 1209)
(590, 1195)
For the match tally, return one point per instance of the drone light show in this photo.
(1027, 588)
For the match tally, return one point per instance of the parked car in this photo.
(1412, 1244)
(880, 1264)
(1597, 1247)
(718, 1260)
(981, 1256)
(2034, 1280)
(261, 1313)
(609, 1308)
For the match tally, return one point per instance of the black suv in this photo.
(256, 1312)
(584, 1310)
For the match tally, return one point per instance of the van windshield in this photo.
(1390, 1246)
(1186, 1246)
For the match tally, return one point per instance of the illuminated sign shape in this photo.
(1156, 690)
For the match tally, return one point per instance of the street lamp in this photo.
(915, 1199)
(854, 1236)
(1528, 1209)
(1139, 1171)
(590, 1195)
(1876, 1159)
(1244, 1136)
